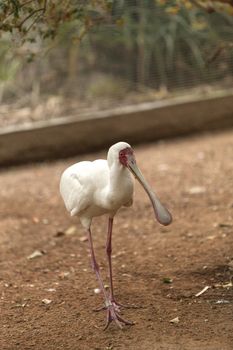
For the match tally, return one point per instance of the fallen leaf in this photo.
(59, 234)
(167, 280)
(211, 237)
(196, 190)
(36, 254)
(71, 230)
(35, 220)
(46, 301)
(222, 301)
(225, 225)
(126, 275)
(21, 304)
(51, 290)
(226, 285)
(163, 167)
(175, 320)
(64, 274)
(83, 239)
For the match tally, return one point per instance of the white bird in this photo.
(91, 189)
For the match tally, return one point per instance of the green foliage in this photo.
(43, 18)
(157, 48)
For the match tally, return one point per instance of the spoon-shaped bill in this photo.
(161, 213)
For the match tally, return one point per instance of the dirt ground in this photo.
(47, 302)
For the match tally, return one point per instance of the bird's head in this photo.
(126, 158)
(120, 152)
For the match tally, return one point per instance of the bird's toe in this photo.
(113, 316)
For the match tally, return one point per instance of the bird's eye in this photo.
(121, 153)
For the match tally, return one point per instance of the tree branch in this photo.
(42, 9)
(32, 24)
(30, 15)
(21, 6)
(208, 7)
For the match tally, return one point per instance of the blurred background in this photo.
(152, 50)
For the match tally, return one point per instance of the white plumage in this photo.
(100, 187)
(95, 188)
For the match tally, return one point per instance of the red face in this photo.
(125, 154)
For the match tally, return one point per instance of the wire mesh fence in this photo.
(153, 50)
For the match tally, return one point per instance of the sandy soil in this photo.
(193, 176)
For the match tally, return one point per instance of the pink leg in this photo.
(109, 255)
(95, 266)
(112, 311)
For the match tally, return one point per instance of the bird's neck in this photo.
(117, 175)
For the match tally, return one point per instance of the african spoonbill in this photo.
(94, 188)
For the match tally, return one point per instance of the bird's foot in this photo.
(113, 315)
